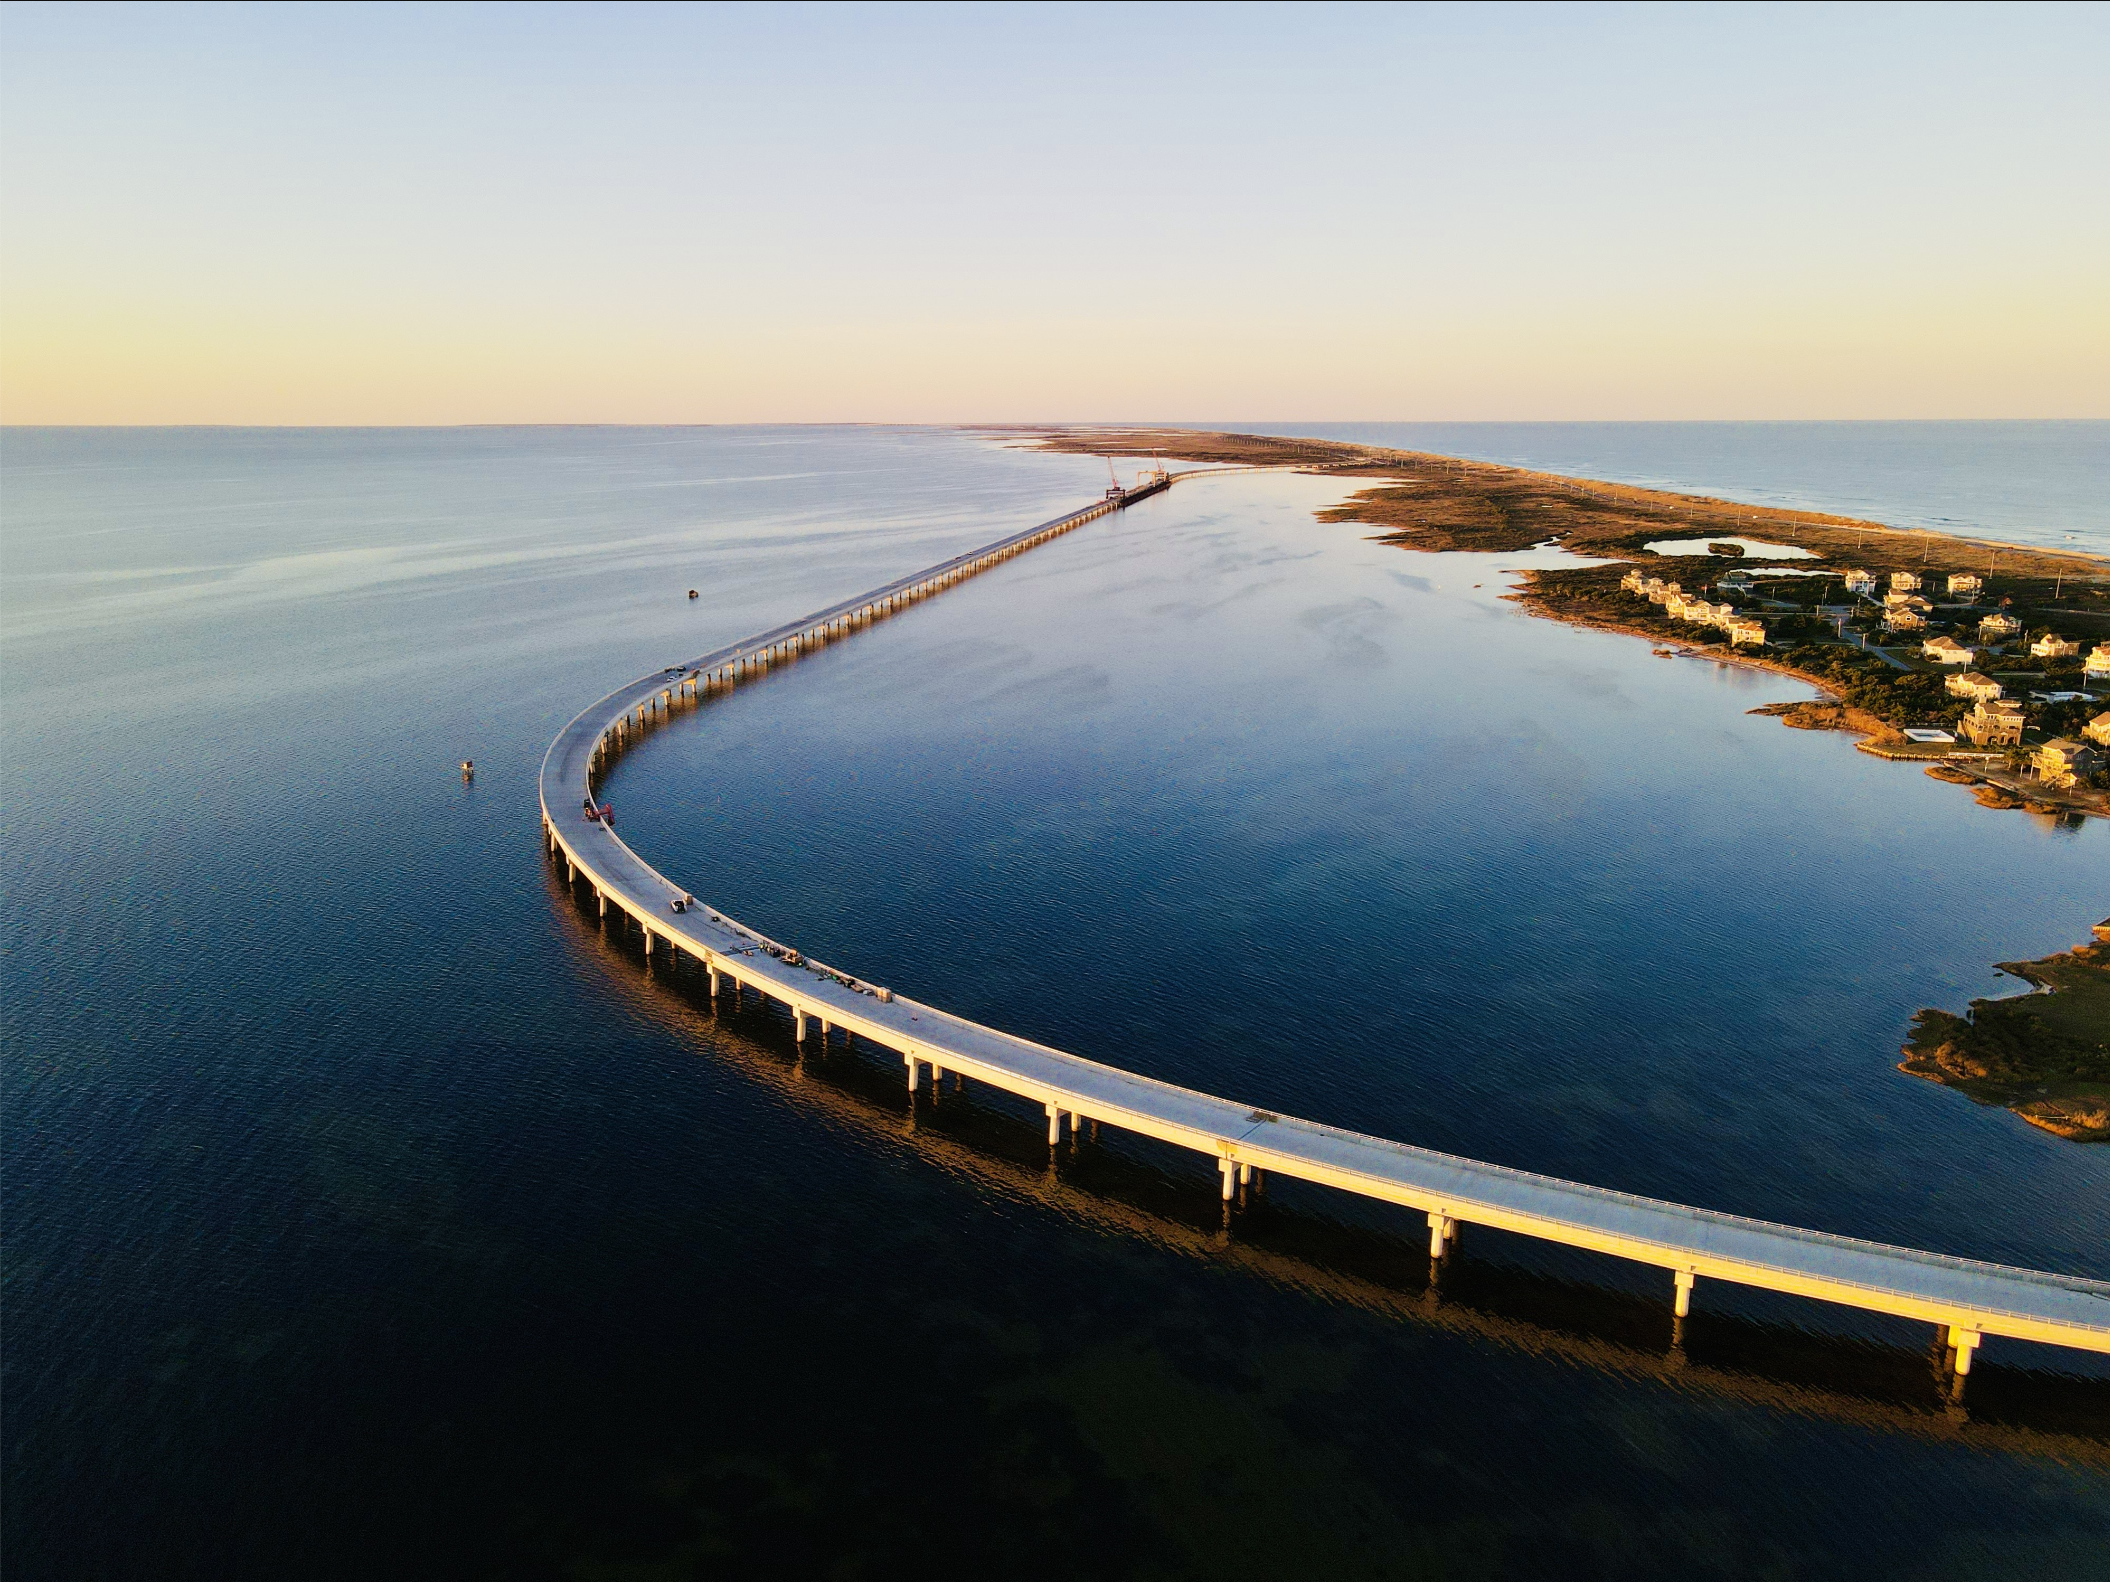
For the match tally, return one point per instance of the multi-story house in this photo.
(1973, 685)
(1994, 722)
(2066, 763)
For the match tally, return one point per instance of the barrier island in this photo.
(2023, 720)
(1868, 655)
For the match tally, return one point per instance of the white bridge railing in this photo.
(1968, 1299)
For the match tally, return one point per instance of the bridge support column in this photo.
(712, 968)
(1439, 1233)
(1076, 1123)
(601, 896)
(1965, 1341)
(911, 1059)
(1054, 1123)
(1229, 1170)
(824, 1032)
(648, 944)
(798, 1018)
(1245, 1175)
(1685, 1280)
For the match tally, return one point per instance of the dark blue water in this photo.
(2016, 482)
(371, 1211)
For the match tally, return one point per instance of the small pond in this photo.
(1750, 546)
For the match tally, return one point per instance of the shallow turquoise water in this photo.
(370, 1210)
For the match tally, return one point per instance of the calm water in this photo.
(371, 1212)
(2015, 482)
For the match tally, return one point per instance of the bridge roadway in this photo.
(1970, 1300)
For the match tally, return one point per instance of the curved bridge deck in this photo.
(1970, 1299)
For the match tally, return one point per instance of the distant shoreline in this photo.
(2023, 485)
(1463, 485)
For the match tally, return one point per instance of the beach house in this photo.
(1858, 581)
(2098, 661)
(1904, 582)
(2097, 730)
(1973, 685)
(1947, 650)
(2052, 646)
(1966, 583)
(1747, 629)
(2065, 763)
(1998, 628)
(1904, 618)
(1994, 722)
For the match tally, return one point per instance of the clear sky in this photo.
(611, 214)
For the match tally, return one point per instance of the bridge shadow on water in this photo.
(1286, 1234)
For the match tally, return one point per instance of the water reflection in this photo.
(1117, 1184)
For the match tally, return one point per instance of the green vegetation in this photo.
(1867, 682)
(2046, 1056)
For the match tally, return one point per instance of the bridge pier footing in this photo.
(1965, 1342)
(1054, 1123)
(1684, 1280)
(1229, 1169)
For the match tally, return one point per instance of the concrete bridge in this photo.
(1969, 1300)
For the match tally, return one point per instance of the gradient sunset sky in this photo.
(617, 214)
